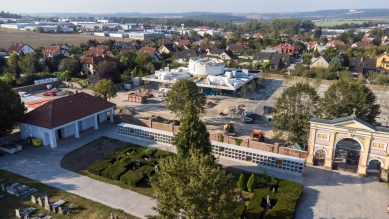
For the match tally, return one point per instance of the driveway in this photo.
(338, 194)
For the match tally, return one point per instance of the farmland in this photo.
(9, 36)
(334, 22)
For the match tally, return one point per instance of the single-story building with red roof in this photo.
(66, 116)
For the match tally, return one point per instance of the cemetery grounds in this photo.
(84, 208)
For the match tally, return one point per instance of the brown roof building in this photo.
(19, 48)
(65, 117)
(56, 50)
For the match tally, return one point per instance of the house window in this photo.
(364, 64)
(379, 145)
(359, 64)
(322, 136)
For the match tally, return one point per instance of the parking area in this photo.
(339, 194)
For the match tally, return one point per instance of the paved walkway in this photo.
(338, 194)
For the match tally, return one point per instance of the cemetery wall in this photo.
(36, 87)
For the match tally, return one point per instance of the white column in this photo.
(96, 123)
(77, 134)
(53, 140)
(111, 114)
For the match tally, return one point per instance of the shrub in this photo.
(161, 154)
(241, 182)
(290, 190)
(250, 183)
(150, 151)
(240, 210)
(131, 178)
(238, 141)
(113, 171)
(255, 210)
(283, 209)
(264, 180)
(97, 167)
(147, 170)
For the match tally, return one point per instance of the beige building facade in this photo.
(348, 142)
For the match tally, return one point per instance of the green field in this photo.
(328, 23)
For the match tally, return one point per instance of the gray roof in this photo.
(277, 58)
(342, 120)
(188, 53)
(262, 55)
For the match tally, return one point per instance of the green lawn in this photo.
(329, 23)
(84, 208)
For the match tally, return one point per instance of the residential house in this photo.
(89, 64)
(362, 65)
(335, 43)
(20, 48)
(203, 49)
(147, 43)
(181, 42)
(56, 50)
(238, 49)
(311, 46)
(66, 117)
(129, 47)
(169, 49)
(184, 55)
(279, 61)
(321, 62)
(200, 28)
(93, 51)
(102, 47)
(262, 57)
(382, 61)
(361, 44)
(226, 55)
(258, 35)
(63, 46)
(136, 43)
(119, 44)
(329, 34)
(285, 48)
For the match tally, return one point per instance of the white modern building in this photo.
(205, 66)
(18, 26)
(65, 117)
(145, 35)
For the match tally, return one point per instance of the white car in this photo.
(24, 94)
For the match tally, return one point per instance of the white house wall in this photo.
(68, 131)
(87, 123)
(26, 49)
(102, 117)
(28, 130)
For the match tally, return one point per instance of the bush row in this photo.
(114, 171)
(131, 178)
(98, 166)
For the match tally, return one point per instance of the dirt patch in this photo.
(164, 120)
(98, 149)
(209, 105)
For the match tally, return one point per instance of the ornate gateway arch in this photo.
(347, 141)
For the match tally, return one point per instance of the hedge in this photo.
(161, 154)
(114, 171)
(147, 170)
(255, 210)
(131, 178)
(97, 167)
(240, 210)
(283, 209)
(289, 190)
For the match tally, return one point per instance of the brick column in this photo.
(276, 148)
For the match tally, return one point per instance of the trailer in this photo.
(10, 147)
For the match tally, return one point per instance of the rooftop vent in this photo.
(70, 101)
(86, 97)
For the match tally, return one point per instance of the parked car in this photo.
(24, 94)
(49, 93)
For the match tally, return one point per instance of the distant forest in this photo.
(8, 15)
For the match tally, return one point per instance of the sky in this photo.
(176, 6)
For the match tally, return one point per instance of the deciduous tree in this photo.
(105, 88)
(11, 109)
(194, 187)
(108, 70)
(71, 65)
(342, 97)
(292, 111)
(183, 91)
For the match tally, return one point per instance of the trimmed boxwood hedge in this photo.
(240, 210)
(131, 178)
(161, 154)
(98, 166)
(114, 171)
(147, 170)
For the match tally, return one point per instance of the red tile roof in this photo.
(51, 50)
(96, 60)
(147, 49)
(97, 52)
(65, 110)
(15, 47)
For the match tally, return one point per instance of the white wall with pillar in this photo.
(50, 136)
